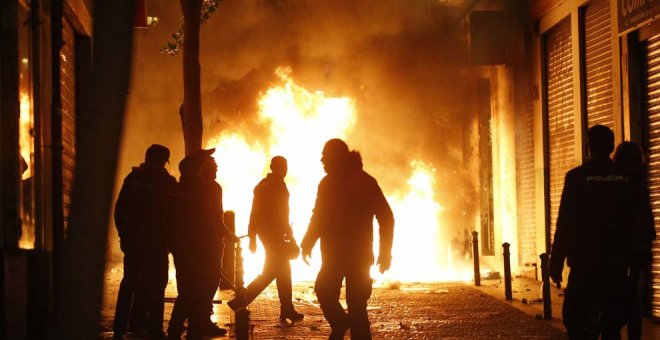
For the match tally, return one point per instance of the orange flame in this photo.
(300, 123)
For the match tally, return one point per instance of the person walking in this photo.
(640, 236)
(595, 204)
(142, 220)
(269, 219)
(348, 198)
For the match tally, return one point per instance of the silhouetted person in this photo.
(347, 201)
(269, 220)
(141, 217)
(640, 235)
(197, 247)
(595, 204)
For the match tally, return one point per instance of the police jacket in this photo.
(269, 217)
(595, 209)
(342, 219)
(142, 211)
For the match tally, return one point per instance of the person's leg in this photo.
(578, 311)
(180, 311)
(612, 296)
(127, 289)
(157, 269)
(284, 290)
(263, 280)
(634, 305)
(327, 288)
(358, 291)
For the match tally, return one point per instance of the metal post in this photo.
(545, 276)
(243, 314)
(508, 293)
(228, 262)
(475, 257)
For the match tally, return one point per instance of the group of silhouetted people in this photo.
(155, 215)
(605, 230)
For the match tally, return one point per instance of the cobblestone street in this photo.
(396, 311)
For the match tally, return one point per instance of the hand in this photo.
(306, 253)
(233, 238)
(253, 245)
(556, 270)
(384, 262)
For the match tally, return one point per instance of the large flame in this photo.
(26, 147)
(300, 123)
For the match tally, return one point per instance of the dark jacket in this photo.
(595, 208)
(142, 210)
(269, 217)
(200, 224)
(346, 204)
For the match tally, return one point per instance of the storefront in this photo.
(44, 46)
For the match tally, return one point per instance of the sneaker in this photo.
(157, 335)
(211, 329)
(291, 315)
(235, 304)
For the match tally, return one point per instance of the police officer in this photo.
(640, 235)
(347, 200)
(595, 205)
(197, 246)
(142, 222)
(270, 220)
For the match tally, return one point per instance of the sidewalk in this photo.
(396, 311)
(525, 289)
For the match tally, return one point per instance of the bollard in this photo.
(508, 293)
(227, 279)
(243, 314)
(475, 257)
(545, 276)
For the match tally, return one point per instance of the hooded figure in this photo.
(348, 199)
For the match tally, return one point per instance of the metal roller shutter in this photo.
(68, 88)
(525, 182)
(560, 116)
(653, 144)
(598, 63)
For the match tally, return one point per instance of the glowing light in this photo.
(300, 122)
(26, 145)
(25, 127)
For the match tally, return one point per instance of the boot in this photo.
(291, 314)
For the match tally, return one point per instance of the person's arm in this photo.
(224, 231)
(313, 232)
(565, 232)
(385, 219)
(255, 219)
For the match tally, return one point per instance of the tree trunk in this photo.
(191, 110)
(80, 276)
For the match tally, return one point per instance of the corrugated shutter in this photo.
(560, 116)
(68, 88)
(653, 144)
(525, 180)
(598, 63)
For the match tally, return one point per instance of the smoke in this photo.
(403, 62)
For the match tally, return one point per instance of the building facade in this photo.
(566, 66)
(45, 55)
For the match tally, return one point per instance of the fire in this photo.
(25, 137)
(26, 145)
(300, 123)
